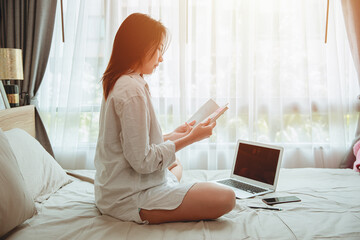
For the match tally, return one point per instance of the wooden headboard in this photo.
(18, 117)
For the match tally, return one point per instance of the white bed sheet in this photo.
(330, 208)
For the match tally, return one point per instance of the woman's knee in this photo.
(227, 200)
(177, 169)
(219, 197)
(231, 199)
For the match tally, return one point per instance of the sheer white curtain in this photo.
(284, 85)
(266, 58)
(70, 94)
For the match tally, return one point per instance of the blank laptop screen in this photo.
(257, 163)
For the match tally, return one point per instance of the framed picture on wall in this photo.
(4, 103)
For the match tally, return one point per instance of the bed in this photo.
(329, 207)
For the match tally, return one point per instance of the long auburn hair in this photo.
(138, 36)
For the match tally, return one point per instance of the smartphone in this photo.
(277, 200)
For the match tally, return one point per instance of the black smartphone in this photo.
(277, 200)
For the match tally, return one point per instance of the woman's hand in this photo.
(202, 130)
(199, 132)
(180, 132)
(185, 128)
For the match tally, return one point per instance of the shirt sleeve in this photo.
(143, 156)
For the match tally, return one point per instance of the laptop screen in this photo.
(257, 163)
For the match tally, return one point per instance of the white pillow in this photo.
(16, 203)
(42, 174)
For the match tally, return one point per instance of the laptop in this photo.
(255, 169)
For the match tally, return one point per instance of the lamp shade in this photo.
(11, 67)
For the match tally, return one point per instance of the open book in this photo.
(208, 110)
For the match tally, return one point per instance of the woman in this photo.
(137, 174)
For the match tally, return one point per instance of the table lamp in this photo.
(11, 68)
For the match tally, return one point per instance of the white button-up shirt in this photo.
(131, 157)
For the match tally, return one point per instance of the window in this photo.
(266, 58)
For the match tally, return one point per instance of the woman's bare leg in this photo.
(177, 169)
(203, 201)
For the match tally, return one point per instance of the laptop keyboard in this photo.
(242, 186)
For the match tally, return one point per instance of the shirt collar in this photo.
(140, 80)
